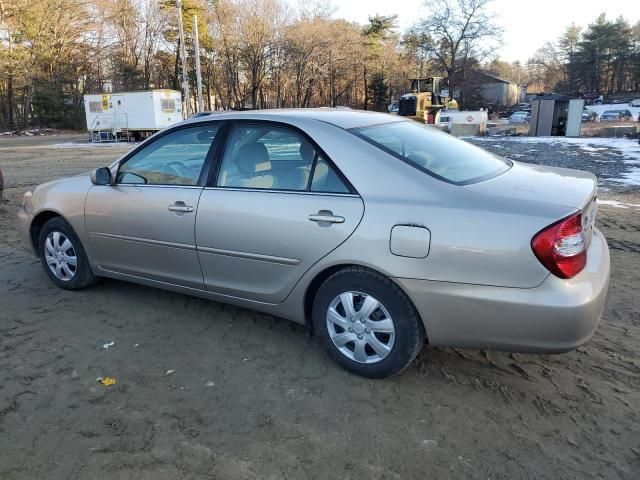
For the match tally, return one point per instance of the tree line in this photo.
(602, 58)
(268, 54)
(254, 54)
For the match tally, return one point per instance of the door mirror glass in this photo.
(101, 176)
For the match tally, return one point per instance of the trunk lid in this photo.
(560, 186)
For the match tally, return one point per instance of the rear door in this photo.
(276, 206)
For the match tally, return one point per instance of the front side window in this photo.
(434, 152)
(275, 158)
(175, 159)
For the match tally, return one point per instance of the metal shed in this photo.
(556, 116)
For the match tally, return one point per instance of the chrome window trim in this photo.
(147, 185)
(288, 192)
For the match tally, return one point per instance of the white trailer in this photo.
(463, 122)
(131, 115)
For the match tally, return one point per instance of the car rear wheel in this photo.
(367, 323)
(63, 256)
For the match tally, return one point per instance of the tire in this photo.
(373, 341)
(54, 251)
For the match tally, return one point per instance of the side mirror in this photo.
(101, 176)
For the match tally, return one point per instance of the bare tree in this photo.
(456, 32)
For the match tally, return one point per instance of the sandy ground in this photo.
(253, 397)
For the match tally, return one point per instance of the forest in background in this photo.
(269, 54)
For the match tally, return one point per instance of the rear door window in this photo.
(270, 157)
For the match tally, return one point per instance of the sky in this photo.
(527, 24)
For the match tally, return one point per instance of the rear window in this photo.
(434, 152)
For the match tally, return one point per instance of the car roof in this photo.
(339, 117)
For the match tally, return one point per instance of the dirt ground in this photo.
(206, 390)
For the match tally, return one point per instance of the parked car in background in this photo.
(376, 231)
(394, 107)
(616, 116)
(589, 115)
(610, 116)
(593, 98)
(635, 103)
(625, 114)
(520, 117)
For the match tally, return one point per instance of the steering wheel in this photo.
(178, 169)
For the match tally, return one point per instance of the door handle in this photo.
(326, 216)
(180, 207)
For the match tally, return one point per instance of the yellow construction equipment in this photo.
(425, 100)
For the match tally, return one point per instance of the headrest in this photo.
(251, 155)
(307, 151)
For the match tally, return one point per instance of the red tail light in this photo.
(561, 247)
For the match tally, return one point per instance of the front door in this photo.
(143, 224)
(276, 208)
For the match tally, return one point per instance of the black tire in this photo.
(409, 331)
(82, 274)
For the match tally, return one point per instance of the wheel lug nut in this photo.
(366, 330)
(359, 337)
(350, 330)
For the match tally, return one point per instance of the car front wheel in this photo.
(367, 323)
(63, 256)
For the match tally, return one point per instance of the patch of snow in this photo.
(617, 204)
(629, 150)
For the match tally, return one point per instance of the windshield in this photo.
(434, 152)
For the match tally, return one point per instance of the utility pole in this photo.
(198, 72)
(183, 54)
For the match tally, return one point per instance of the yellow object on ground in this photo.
(106, 381)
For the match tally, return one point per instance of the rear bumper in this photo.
(557, 316)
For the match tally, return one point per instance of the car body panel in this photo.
(64, 197)
(259, 243)
(555, 317)
(258, 249)
(132, 231)
(541, 184)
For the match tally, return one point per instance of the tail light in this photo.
(561, 247)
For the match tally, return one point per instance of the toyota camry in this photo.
(378, 232)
